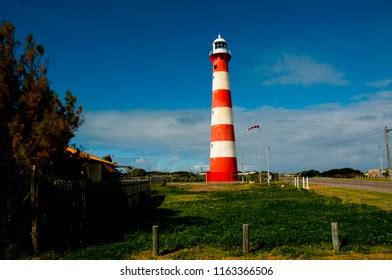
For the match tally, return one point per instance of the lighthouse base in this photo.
(221, 177)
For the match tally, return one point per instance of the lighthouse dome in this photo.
(219, 46)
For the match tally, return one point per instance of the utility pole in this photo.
(268, 166)
(380, 155)
(242, 168)
(386, 130)
(260, 156)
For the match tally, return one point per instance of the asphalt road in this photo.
(353, 184)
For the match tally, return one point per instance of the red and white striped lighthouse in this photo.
(223, 160)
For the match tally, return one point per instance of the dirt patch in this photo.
(212, 187)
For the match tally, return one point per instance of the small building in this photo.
(375, 173)
(77, 164)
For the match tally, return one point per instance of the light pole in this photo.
(268, 166)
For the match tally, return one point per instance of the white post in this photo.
(303, 182)
(307, 183)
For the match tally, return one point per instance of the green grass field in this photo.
(378, 199)
(200, 221)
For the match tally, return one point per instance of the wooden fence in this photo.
(71, 212)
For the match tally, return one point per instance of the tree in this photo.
(108, 157)
(310, 173)
(35, 126)
(342, 173)
(137, 172)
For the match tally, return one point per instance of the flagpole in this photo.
(249, 129)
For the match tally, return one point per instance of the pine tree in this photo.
(35, 125)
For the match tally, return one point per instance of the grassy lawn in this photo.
(200, 221)
(347, 195)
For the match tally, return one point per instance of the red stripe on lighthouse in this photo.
(225, 170)
(221, 98)
(220, 64)
(222, 132)
(225, 164)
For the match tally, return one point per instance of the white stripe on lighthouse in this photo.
(221, 115)
(220, 80)
(222, 149)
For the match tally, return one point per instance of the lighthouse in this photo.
(223, 160)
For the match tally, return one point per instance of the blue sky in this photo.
(312, 73)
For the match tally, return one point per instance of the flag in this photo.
(253, 126)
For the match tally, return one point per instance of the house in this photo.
(375, 173)
(77, 164)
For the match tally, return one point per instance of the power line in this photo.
(329, 144)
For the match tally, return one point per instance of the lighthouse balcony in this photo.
(220, 51)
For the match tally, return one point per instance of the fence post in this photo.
(155, 240)
(34, 208)
(335, 236)
(245, 238)
(307, 183)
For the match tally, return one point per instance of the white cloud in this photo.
(302, 70)
(179, 139)
(145, 137)
(380, 84)
(148, 164)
